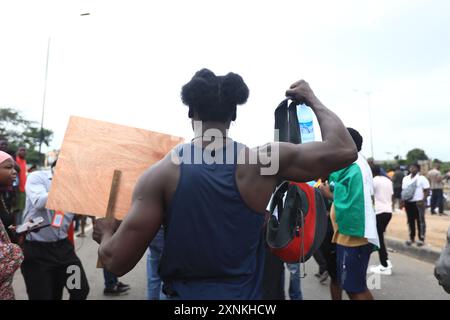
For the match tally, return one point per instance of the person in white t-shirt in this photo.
(383, 193)
(415, 207)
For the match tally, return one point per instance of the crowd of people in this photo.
(202, 224)
(47, 248)
(404, 190)
(414, 193)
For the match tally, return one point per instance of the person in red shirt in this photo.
(22, 163)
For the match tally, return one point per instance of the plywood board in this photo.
(90, 153)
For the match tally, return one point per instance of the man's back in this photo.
(255, 189)
(353, 211)
(213, 244)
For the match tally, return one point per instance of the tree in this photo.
(415, 155)
(12, 124)
(19, 131)
(445, 167)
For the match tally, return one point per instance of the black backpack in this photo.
(301, 225)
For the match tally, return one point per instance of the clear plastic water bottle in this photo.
(306, 123)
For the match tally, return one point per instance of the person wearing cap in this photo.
(11, 255)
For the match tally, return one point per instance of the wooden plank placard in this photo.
(91, 151)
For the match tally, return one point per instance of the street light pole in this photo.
(41, 134)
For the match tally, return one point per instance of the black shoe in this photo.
(123, 285)
(116, 291)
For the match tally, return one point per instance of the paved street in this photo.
(412, 279)
(87, 252)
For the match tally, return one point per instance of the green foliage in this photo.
(445, 167)
(19, 131)
(415, 155)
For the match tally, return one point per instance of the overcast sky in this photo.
(126, 62)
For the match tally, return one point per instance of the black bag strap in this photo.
(277, 198)
(281, 120)
(293, 193)
(286, 121)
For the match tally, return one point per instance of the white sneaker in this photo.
(369, 269)
(382, 270)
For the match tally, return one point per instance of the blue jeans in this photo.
(154, 287)
(295, 290)
(110, 279)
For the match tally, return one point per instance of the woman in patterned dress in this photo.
(11, 255)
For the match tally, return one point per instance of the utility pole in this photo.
(41, 134)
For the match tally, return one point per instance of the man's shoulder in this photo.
(158, 174)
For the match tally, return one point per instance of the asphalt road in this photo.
(411, 280)
(86, 250)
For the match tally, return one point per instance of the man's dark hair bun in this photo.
(201, 89)
(234, 89)
(214, 97)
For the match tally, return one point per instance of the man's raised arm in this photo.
(304, 162)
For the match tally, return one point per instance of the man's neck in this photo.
(209, 131)
(212, 126)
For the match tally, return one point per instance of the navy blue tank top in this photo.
(214, 246)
